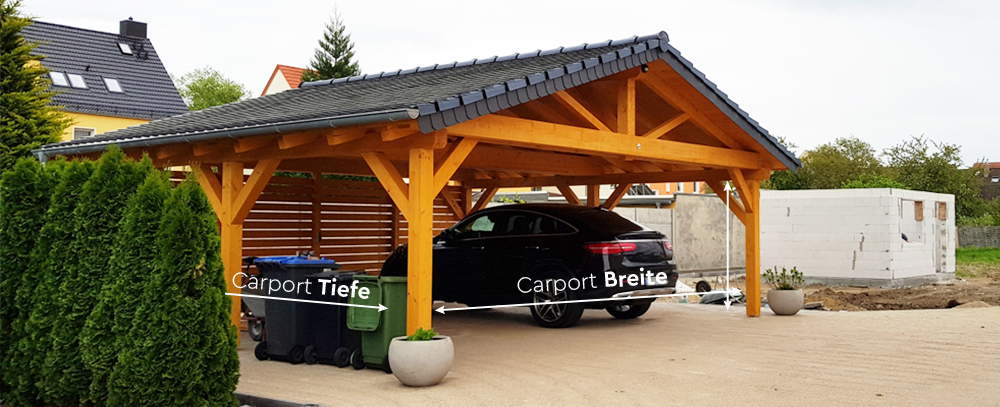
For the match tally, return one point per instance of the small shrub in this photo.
(422, 335)
(786, 280)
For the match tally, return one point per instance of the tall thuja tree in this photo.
(181, 350)
(49, 259)
(24, 199)
(96, 221)
(131, 266)
(27, 119)
(333, 57)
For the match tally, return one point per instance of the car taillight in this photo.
(609, 247)
(670, 247)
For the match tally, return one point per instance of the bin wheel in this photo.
(342, 357)
(385, 364)
(703, 287)
(357, 360)
(261, 351)
(255, 328)
(310, 355)
(296, 355)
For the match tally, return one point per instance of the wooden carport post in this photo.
(232, 201)
(747, 210)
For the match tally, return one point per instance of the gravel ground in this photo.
(681, 354)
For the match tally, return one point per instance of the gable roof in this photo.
(291, 74)
(148, 92)
(437, 96)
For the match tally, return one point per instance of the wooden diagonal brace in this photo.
(212, 186)
(445, 169)
(616, 196)
(744, 189)
(570, 196)
(734, 205)
(393, 183)
(248, 195)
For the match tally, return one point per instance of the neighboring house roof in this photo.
(291, 74)
(437, 96)
(147, 91)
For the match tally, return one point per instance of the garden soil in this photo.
(930, 296)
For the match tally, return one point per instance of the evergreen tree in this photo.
(96, 220)
(181, 348)
(131, 265)
(24, 199)
(27, 120)
(333, 57)
(49, 259)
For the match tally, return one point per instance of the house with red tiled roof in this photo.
(283, 78)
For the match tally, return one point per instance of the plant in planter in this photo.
(785, 297)
(421, 359)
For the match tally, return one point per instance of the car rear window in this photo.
(604, 222)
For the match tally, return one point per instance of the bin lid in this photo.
(298, 261)
(365, 319)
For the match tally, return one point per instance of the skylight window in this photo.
(126, 49)
(58, 78)
(77, 81)
(113, 85)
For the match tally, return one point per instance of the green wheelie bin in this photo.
(378, 328)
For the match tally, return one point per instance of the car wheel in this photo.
(296, 355)
(256, 329)
(260, 352)
(555, 315)
(628, 311)
(342, 357)
(357, 360)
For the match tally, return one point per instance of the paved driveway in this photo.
(681, 354)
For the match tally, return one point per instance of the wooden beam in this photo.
(635, 178)
(231, 233)
(249, 144)
(203, 149)
(248, 195)
(420, 242)
(573, 105)
(466, 200)
(341, 138)
(625, 165)
(513, 131)
(671, 96)
(499, 158)
(317, 214)
(171, 151)
(398, 132)
(752, 199)
(452, 204)
(393, 183)
(616, 196)
(667, 126)
(570, 196)
(213, 188)
(445, 169)
(294, 140)
(484, 200)
(396, 221)
(626, 108)
(734, 204)
(743, 188)
(594, 195)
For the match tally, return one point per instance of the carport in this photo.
(614, 112)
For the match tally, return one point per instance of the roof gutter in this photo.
(44, 153)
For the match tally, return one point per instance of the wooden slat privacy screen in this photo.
(358, 224)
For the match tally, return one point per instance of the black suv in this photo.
(545, 253)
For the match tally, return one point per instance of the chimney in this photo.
(132, 28)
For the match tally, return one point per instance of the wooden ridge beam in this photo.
(484, 200)
(636, 178)
(570, 196)
(573, 105)
(528, 133)
(390, 179)
(616, 196)
(667, 126)
(249, 193)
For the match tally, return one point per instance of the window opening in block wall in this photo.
(942, 211)
(911, 223)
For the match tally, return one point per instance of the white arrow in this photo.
(442, 309)
(728, 189)
(380, 307)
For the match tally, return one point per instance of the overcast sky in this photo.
(810, 71)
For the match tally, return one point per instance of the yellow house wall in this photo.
(102, 124)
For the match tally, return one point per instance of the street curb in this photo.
(255, 401)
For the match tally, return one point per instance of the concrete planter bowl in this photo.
(421, 363)
(785, 302)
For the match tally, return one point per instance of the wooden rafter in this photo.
(543, 135)
(252, 143)
(172, 151)
(397, 132)
(570, 196)
(671, 96)
(573, 105)
(667, 126)
(203, 149)
(341, 138)
(616, 196)
(294, 140)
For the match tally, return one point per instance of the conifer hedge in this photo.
(182, 349)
